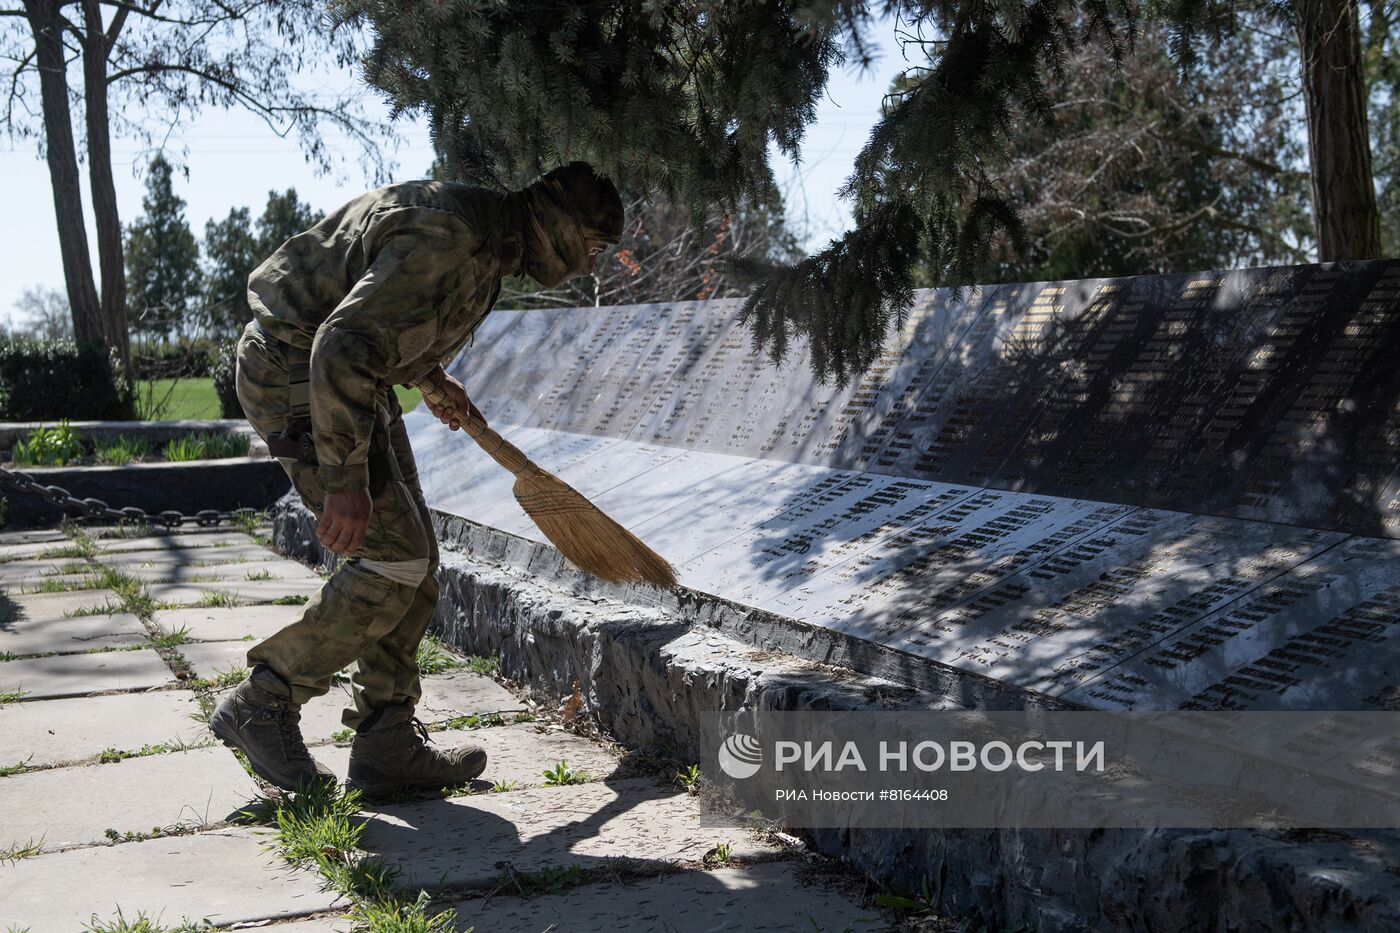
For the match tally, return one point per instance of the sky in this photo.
(233, 159)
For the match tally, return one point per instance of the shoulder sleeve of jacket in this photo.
(388, 321)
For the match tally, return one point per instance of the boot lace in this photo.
(424, 739)
(287, 721)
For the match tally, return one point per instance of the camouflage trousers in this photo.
(375, 608)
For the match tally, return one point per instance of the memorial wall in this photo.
(1147, 493)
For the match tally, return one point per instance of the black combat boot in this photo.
(392, 754)
(260, 720)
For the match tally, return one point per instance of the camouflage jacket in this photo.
(383, 291)
(390, 287)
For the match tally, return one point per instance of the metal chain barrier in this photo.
(97, 510)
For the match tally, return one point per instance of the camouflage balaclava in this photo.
(562, 210)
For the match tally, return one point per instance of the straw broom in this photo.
(591, 540)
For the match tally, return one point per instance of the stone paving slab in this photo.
(19, 545)
(30, 536)
(319, 925)
(44, 585)
(20, 572)
(153, 572)
(37, 584)
(182, 539)
(213, 657)
(79, 633)
(234, 572)
(76, 806)
(517, 753)
(245, 591)
(40, 607)
(228, 624)
(247, 553)
(461, 840)
(224, 876)
(70, 675)
(764, 898)
(51, 732)
(321, 718)
(462, 694)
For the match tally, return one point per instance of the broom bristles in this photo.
(585, 535)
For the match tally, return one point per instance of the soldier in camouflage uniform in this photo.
(383, 291)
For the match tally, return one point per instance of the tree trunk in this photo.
(104, 190)
(46, 24)
(1345, 216)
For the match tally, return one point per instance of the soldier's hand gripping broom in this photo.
(579, 529)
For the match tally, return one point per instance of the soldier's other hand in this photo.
(344, 520)
(458, 405)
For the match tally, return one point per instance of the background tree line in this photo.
(134, 67)
(1045, 139)
(181, 287)
(1024, 137)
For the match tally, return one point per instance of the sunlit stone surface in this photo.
(1158, 492)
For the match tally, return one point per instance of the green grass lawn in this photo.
(172, 399)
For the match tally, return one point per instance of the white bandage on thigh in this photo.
(407, 572)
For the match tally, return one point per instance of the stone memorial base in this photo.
(1156, 493)
(654, 670)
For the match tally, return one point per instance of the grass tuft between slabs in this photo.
(320, 829)
(436, 658)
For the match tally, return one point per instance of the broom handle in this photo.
(497, 448)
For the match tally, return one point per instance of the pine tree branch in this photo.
(1253, 162)
(1263, 233)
